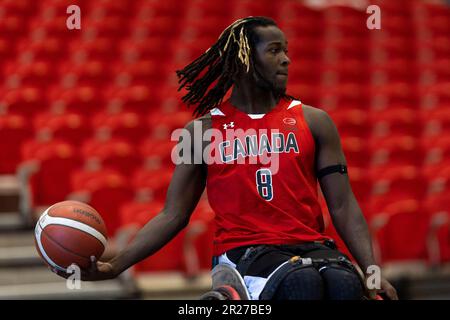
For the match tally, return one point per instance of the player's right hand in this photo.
(97, 271)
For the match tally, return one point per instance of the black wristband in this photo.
(332, 169)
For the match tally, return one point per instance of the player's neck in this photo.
(253, 99)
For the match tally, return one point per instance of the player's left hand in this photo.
(386, 290)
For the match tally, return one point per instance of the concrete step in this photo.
(41, 283)
(17, 249)
(9, 193)
(172, 285)
(12, 221)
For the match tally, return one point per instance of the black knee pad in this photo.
(341, 283)
(302, 284)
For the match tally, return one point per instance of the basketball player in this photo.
(272, 216)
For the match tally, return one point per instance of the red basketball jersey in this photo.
(257, 201)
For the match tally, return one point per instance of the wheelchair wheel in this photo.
(221, 293)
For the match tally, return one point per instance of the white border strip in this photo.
(294, 103)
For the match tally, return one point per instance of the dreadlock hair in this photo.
(224, 60)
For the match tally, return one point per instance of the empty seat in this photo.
(401, 230)
(26, 101)
(170, 257)
(14, 131)
(114, 153)
(83, 99)
(105, 190)
(125, 125)
(47, 166)
(70, 127)
(154, 182)
(396, 150)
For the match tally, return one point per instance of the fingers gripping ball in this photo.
(70, 232)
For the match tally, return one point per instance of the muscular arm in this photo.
(185, 189)
(344, 209)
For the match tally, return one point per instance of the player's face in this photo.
(271, 60)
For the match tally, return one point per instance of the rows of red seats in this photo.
(90, 111)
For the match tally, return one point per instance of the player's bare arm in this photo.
(186, 187)
(345, 212)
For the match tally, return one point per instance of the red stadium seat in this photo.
(356, 151)
(157, 150)
(70, 127)
(12, 27)
(170, 257)
(88, 73)
(436, 204)
(84, 99)
(345, 95)
(437, 122)
(47, 167)
(125, 125)
(392, 184)
(143, 72)
(148, 50)
(437, 153)
(114, 8)
(114, 153)
(50, 49)
(105, 49)
(115, 27)
(105, 190)
(397, 121)
(7, 51)
(54, 27)
(401, 230)
(352, 122)
(19, 7)
(14, 131)
(26, 101)
(37, 74)
(346, 70)
(154, 182)
(136, 97)
(169, 121)
(396, 150)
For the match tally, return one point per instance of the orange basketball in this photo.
(70, 232)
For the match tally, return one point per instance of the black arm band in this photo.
(332, 169)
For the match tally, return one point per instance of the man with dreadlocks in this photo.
(269, 225)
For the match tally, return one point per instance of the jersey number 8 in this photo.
(264, 183)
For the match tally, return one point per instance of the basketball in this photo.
(70, 232)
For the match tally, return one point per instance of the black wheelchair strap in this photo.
(250, 256)
(342, 169)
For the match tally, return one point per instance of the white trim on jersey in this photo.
(293, 104)
(216, 112)
(256, 115)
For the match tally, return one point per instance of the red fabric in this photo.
(245, 215)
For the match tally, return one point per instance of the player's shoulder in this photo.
(314, 112)
(203, 121)
(318, 120)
